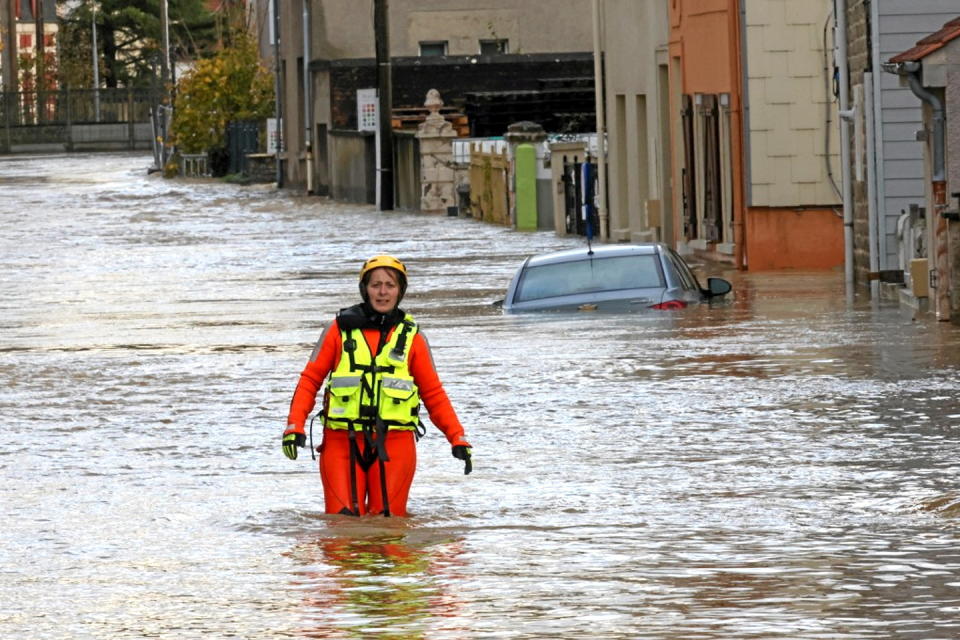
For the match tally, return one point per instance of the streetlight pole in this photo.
(598, 47)
(165, 60)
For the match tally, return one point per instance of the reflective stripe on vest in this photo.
(362, 389)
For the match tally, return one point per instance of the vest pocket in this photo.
(344, 396)
(398, 396)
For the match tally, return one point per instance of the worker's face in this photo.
(383, 289)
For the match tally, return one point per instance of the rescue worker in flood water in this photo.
(380, 368)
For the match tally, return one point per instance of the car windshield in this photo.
(582, 276)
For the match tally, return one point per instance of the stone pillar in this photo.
(436, 158)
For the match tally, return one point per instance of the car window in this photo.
(581, 276)
(686, 276)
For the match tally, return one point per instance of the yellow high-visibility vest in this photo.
(363, 388)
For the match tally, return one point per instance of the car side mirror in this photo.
(718, 286)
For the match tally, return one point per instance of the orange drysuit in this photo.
(358, 491)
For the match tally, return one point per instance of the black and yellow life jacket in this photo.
(367, 390)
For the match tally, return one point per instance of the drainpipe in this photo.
(739, 226)
(601, 123)
(911, 70)
(873, 222)
(846, 115)
(307, 120)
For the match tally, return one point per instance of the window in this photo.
(493, 47)
(583, 276)
(433, 48)
(687, 279)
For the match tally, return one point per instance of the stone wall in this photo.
(858, 54)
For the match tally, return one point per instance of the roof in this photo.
(931, 43)
(599, 251)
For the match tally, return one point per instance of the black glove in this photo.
(464, 452)
(291, 440)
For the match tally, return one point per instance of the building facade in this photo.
(931, 70)
(889, 188)
(637, 103)
(449, 45)
(21, 24)
(792, 201)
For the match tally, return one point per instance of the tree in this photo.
(232, 85)
(129, 37)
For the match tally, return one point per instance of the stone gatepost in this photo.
(437, 191)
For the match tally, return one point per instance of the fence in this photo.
(71, 118)
(406, 171)
(353, 166)
(489, 182)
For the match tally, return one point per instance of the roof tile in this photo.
(929, 44)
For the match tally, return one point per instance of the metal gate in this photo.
(579, 189)
(242, 138)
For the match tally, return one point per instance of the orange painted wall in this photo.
(793, 239)
(705, 38)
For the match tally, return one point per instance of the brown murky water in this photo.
(783, 465)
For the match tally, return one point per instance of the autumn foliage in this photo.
(232, 85)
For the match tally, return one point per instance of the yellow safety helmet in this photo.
(383, 261)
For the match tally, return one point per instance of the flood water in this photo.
(782, 465)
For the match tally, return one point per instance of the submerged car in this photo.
(608, 278)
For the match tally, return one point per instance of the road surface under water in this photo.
(781, 465)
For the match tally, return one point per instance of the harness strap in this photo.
(383, 490)
(350, 346)
(353, 473)
(368, 456)
(400, 350)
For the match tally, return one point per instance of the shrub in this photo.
(232, 85)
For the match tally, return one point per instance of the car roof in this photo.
(601, 251)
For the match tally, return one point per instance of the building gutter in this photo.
(911, 71)
(739, 228)
(846, 115)
(873, 223)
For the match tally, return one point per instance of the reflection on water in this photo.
(781, 464)
(360, 581)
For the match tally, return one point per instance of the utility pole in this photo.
(381, 29)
